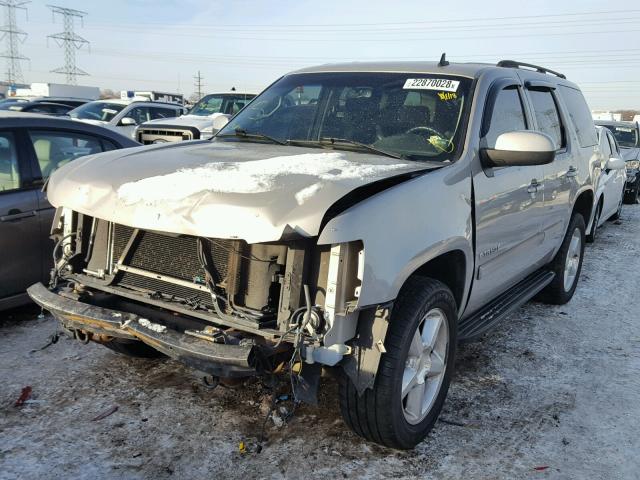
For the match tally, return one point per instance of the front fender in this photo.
(405, 226)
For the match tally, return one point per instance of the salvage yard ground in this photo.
(553, 392)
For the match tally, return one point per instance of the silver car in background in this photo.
(609, 182)
(123, 116)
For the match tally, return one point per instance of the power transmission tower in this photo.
(198, 84)
(14, 36)
(70, 41)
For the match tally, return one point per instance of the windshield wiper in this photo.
(370, 148)
(242, 133)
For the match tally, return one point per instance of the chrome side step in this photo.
(483, 320)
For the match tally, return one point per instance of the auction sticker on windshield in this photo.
(442, 84)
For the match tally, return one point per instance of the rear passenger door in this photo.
(508, 202)
(560, 176)
(20, 247)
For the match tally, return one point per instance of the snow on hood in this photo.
(251, 191)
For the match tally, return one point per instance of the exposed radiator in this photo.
(169, 256)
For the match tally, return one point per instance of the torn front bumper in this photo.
(103, 323)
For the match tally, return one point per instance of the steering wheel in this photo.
(260, 112)
(416, 130)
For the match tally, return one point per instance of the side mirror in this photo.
(127, 122)
(615, 163)
(219, 121)
(519, 148)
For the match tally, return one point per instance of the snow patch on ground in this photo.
(256, 176)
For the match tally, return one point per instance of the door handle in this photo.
(17, 215)
(534, 186)
(572, 172)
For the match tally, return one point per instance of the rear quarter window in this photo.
(580, 116)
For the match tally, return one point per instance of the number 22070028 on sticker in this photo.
(442, 84)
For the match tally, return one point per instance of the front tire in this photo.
(415, 372)
(567, 264)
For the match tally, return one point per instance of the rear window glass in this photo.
(580, 116)
(547, 116)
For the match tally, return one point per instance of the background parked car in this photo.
(20, 104)
(45, 108)
(123, 116)
(197, 123)
(31, 148)
(628, 136)
(608, 183)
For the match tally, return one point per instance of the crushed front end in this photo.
(221, 306)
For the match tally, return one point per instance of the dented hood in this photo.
(223, 189)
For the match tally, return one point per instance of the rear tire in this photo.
(566, 265)
(132, 348)
(420, 352)
(632, 197)
(591, 237)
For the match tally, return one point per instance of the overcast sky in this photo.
(156, 44)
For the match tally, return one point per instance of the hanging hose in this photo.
(212, 279)
(55, 271)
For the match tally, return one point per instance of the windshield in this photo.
(414, 116)
(103, 111)
(626, 136)
(229, 104)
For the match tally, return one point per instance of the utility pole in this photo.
(70, 41)
(13, 35)
(198, 84)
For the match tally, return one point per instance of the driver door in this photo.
(508, 203)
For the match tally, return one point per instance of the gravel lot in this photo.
(551, 393)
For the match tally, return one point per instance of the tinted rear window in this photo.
(580, 116)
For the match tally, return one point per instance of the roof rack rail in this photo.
(537, 68)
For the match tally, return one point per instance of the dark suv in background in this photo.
(628, 136)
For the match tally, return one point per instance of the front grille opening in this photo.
(166, 267)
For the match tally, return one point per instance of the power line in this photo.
(198, 84)
(70, 41)
(13, 36)
(404, 39)
(474, 26)
(379, 24)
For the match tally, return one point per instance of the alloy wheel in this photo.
(572, 262)
(425, 366)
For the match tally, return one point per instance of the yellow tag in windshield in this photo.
(444, 96)
(441, 144)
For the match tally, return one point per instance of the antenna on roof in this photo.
(443, 61)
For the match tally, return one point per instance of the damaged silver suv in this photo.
(357, 217)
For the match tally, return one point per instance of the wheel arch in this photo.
(584, 205)
(599, 203)
(449, 268)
